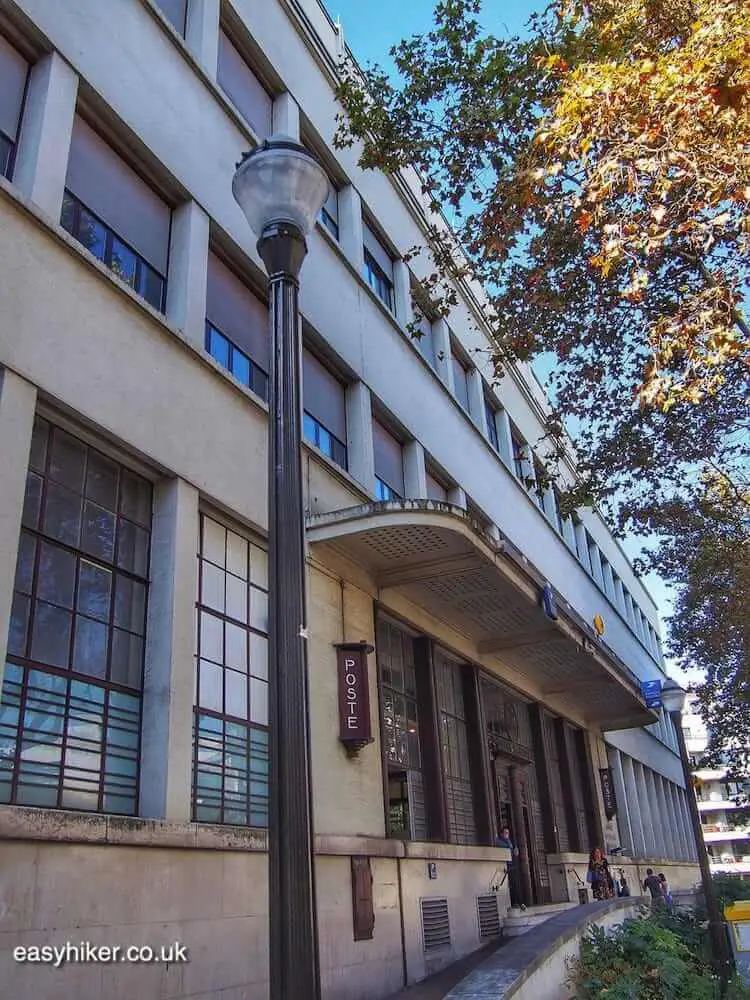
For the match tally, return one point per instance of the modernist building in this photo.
(133, 585)
(726, 829)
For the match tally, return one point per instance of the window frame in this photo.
(258, 381)
(378, 281)
(317, 439)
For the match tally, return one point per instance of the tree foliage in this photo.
(596, 175)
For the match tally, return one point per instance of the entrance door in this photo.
(515, 799)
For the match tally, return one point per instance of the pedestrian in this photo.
(505, 840)
(598, 875)
(623, 889)
(665, 890)
(652, 884)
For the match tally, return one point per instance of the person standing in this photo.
(652, 884)
(505, 840)
(665, 890)
(598, 875)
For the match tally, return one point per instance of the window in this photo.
(116, 215)
(423, 338)
(577, 532)
(324, 397)
(243, 87)
(378, 267)
(435, 489)
(14, 71)
(401, 733)
(460, 381)
(236, 327)
(329, 213)
(608, 579)
(538, 487)
(175, 11)
(519, 455)
(454, 740)
(389, 465)
(70, 715)
(230, 771)
(492, 436)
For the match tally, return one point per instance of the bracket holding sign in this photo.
(355, 727)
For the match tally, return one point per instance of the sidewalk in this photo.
(436, 986)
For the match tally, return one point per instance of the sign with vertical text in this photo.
(608, 792)
(355, 729)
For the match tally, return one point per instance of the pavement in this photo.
(437, 985)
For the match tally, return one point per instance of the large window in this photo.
(324, 397)
(244, 88)
(401, 736)
(378, 267)
(176, 12)
(71, 700)
(389, 464)
(329, 212)
(492, 434)
(519, 455)
(13, 73)
(230, 773)
(460, 381)
(116, 215)
(236, 327)
(454, 743)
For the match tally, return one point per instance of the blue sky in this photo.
(370, 29)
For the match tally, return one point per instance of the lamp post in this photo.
(673, 700)
(281, 188)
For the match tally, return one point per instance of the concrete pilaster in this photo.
(477, 409)
(402, 293)
(595, 559)
(583, 547)
(286, 116)
(569, 533)
(415, 470)
(46, 128)
(633, 794)
(621, 797)
(674, 826)
(650, 812)
(359, 445)
(202, 33)
(685, 809)
(188, 263)
(504, 437)
(17, 406)
(609, 581)
(666, 827)
(167, 741)
(441, 342)
(350, 227)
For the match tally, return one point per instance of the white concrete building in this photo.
(133, 585)
(726, 830)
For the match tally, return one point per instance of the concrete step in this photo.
(518, 921)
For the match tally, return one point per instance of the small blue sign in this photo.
(548, 602)
(651, 691)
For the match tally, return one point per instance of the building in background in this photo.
(725, 820)
(510, 642)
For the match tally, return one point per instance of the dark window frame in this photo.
(258, 378)
(7, 156)
(385, 492)
(491, 416)
(336, 452)
(142, 266)
(378, 281)
(327, 220)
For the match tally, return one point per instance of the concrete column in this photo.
(286, 116)
(44, 141)
(634, 807)
(621, 797)
(350, 227)
(17, 407)
(202, 33)
(477, 409)
(188, 263)
(595, 559)
(415, 470)
(650, 812)
(674, 824)
(458, 497)
(359, 445)
(167, 741)
(504, 437)
(685, 810)
(441, 342)
(402, 293)
(678, 826)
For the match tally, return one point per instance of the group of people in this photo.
(603, 885)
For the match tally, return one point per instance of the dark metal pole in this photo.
(293, 951)
(715, 922)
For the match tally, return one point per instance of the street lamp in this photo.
(673, 700)
(281, 189)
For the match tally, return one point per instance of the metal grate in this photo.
(436, 929)
(488, 916)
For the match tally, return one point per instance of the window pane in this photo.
(132, 548)
(90, 647)
(50, 641)
(57, 575)
(19, 625)
(124, 262)
(130, 604)
(25, 563)
(98, 534)
(218, 347)
(92, 234)
(127, 658)
(32, 501)
(62, 515)
(135, 498)
(241, 367)
(151, 287)
(102, 480)
(94, 590)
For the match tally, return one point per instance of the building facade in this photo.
(133, 584)
(726, 828)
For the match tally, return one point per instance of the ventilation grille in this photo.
(489, 916)
(436, 928)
